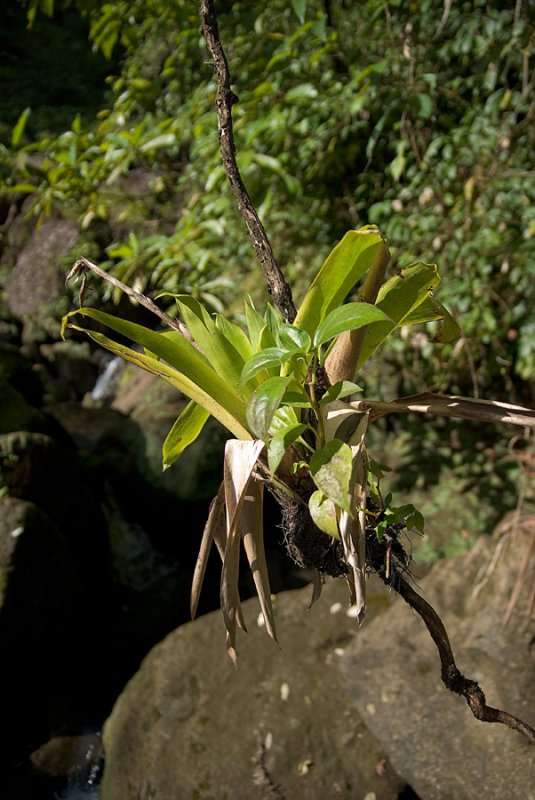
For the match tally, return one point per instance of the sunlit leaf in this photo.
(323, 512)
(345, 266)
(338, 391)
(281, 441)
(348, 317)
(268, 358)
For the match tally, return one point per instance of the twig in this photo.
(83, 264)
(225, 98)
(452, 678)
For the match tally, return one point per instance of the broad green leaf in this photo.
(20, 125)
(172, 376)
(331, 468)
(186, 360)
(265, 401)
(323, 513)
(432, 310)
(266, 359)
(297, 399)
(399, 297)
(291, 338)
(280, 443)
(184, 432)
(338, 391)
(347, 318)
(345, 266)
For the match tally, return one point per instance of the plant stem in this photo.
(225, 99)
(342, 362)
(83, 264)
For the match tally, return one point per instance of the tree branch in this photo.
(225, 98)
(452, 678)
(443, 405)
(83, 265)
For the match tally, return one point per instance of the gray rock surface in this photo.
(428, 733)
(189, 725)
(38, 278)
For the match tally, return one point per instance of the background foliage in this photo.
(415, 116)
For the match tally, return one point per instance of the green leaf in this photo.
(292, 339)
(20, 125)
(265, 401)
(266, 359)
(222, 356)
(347, 318)
(255, 323)
(200, 381)
(398, 298)
(323, 513)
(235, 336)
(331, 468)
(184, 432)
(347, 263)
(338, 391)
(300, 7)
(280, 443)
(432, 310)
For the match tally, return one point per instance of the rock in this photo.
(39, 596)
(190, 725)
(70, 758)
(37, 280)
(392, 673)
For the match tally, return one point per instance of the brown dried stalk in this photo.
(225, 99)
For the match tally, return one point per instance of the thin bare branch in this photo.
(452, 678)
(83, 265)
(442, 405)
(225, 99)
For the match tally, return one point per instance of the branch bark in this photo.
(225, 99)
(452, 678)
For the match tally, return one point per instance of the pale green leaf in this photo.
(189, 365)
(323, 513)
(331, 468)
(184, 432)
(300, 8)
(20, 125)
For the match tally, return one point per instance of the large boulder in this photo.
(36, 283)
(392, 674)
(190, 725)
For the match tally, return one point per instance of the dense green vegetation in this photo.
(417, 117)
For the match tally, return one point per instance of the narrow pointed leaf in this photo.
(214, 530)
(174, 378)
(345, 266)
(184, 432)
(353, 527)
(255, 324)
(349, 317)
